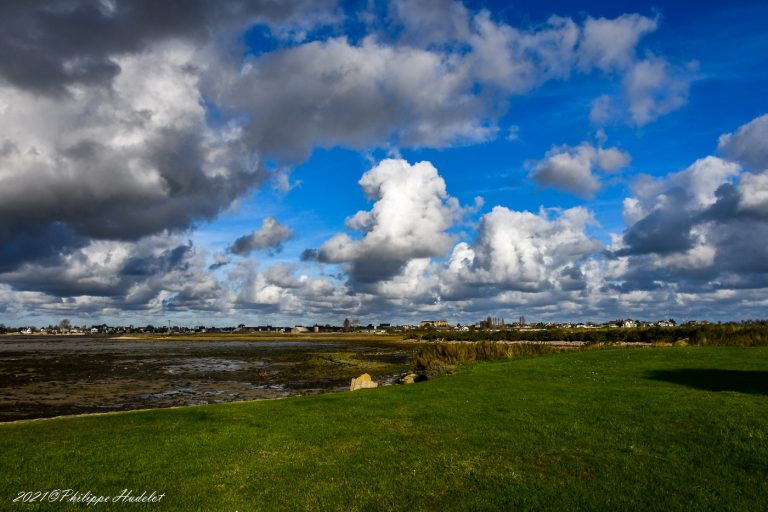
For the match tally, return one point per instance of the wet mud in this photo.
(50, 376)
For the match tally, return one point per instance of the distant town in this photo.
(65, 327)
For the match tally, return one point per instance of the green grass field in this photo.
(620, 429)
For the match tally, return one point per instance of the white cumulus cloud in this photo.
(409, 219)
(521, 250)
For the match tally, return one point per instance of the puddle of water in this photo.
(211, 364)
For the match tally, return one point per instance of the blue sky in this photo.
(383, 161)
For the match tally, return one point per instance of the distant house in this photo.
(299, 329)
(629, 324)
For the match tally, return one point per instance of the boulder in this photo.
(409, 378)
(363, 382)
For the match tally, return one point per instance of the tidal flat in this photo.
(56, 376)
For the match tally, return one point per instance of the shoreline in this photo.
(146, 409)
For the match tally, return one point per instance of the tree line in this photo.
(749, 334)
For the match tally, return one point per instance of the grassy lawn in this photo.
(623, 429)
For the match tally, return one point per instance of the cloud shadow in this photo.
(742, 381)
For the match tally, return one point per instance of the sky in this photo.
(300, 162)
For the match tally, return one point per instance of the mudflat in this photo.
(54, 376)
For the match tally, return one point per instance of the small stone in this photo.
(408, 378)
(363, 382)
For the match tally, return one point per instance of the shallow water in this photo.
(59, 376)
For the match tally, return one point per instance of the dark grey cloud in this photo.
(95, 193)
(572, 168)
(702, 230)
(34, 241)
(571, 278)
(749, 144)
(644, 274)
(109, 269)
(366, 272)
(308, 255)
(742, 248)
(47, 45)
(662, 215)
(739, 236)
(218, 264)
(663, 231)
(269, 237)
(167, 261)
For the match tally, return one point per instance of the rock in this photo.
(363, 382)
(682, 343)
(408, 378)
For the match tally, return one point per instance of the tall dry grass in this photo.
(440, 358)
